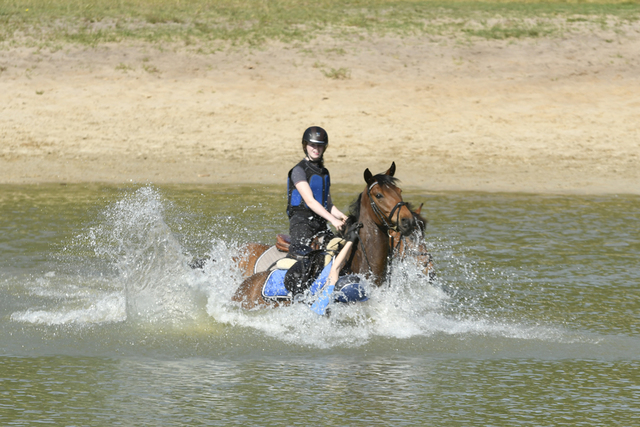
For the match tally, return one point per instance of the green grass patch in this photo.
(253, 22)
(337, 74)
(124, 67)
(511, 30)
(150, 68)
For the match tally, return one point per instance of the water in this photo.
(533, 320)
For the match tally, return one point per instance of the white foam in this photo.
(150, 261)
(109, 309)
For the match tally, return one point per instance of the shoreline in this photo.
(410, 178)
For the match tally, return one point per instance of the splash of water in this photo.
(151, 263)
(152, 283)
(407, 306)
(108, 309)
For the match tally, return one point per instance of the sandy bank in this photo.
(543, 115)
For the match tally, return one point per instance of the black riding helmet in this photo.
(314, 135)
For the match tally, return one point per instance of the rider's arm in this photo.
(338, 214)
(335, 211)
(339, 262)
(304, 189)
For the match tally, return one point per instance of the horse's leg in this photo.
(249, 293)
(248, 256)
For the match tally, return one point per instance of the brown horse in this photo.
(381, 210)
(414, 246)
(402, 246)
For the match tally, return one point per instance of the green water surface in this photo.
(533, 320)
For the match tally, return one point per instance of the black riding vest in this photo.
(318, 179)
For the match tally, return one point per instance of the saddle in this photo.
(283, 241)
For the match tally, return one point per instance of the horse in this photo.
(414, 245)
(402, 246)
(380, 209)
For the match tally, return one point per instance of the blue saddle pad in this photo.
(274, 285)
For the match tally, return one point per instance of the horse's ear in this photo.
(419, 209)
(392, 169)
(368, 177)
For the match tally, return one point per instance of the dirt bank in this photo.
(536, 115)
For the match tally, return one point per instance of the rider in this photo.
(309, 205)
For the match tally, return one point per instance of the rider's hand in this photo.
(338, 224)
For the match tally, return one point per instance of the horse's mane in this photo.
(384, 179)
(354, 212)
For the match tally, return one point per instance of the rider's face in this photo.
(314, 151)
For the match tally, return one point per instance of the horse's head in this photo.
(414, 245)
(385, 199)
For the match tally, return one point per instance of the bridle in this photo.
(386, 220)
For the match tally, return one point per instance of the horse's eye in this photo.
(379, 196)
